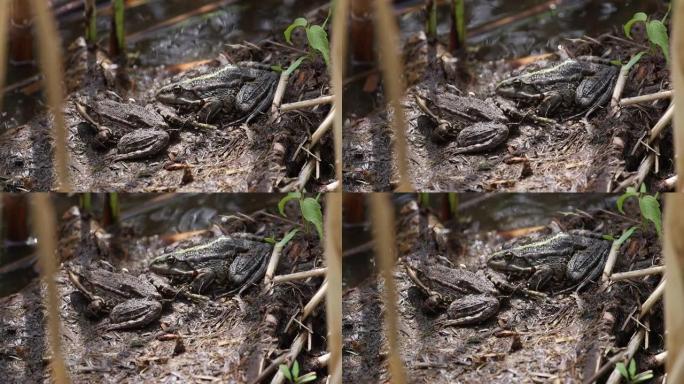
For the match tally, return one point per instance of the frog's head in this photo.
(516, 87)
(170, 265)
(177, 94)
(507, 260)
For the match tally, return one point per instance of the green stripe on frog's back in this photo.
(554, 244)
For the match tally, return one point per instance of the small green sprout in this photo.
(316, 37)
(656, 30)
(629, 373)
(309, 207)
(292, 375)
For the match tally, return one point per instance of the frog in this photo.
(584, 83)
(127, 300)
(474, 125)
(244, 90)
(228, 262)
(562, 259)
(136, 131)
(466, 297)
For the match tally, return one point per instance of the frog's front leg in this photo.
(545, 275)
(210, 110)
(134, 313)
(203, 280)
(471, 309)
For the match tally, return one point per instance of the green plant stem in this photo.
(431, 27)
(91, 22)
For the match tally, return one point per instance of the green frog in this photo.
(128, 301)
(136, 131)
(583, 83)
(475, 125)
(244, 90)
(467, 297)
(231, 262)
(565, 258)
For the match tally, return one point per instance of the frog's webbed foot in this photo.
(134, 313)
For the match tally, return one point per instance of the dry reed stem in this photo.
(4, 32)
(278, 96)
(333, 303)
(617, 91)
(673, 249)
(45, 225)
(653, 298)
(323, 128)
(315, 301)
(307, 103)
(272, 264)
(637, 273)
(387, 34)
(299, 275)
(677, 71)
(632, 347)
(646, 98)
(49, 52)
(292, 354)
(610, 263)
(382, 214)
(338, 62)
(663, 122)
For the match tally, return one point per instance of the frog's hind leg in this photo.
(471, 309)
(134, 313)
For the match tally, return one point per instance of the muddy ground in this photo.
(224, 340)
(574, 156)
(557, 339)
(233, 158)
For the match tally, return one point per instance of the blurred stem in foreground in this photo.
(91, 22)
(86, 203)
(333, 258)
(431, 23)
(457, 41)
(50, 55)
(362, 32)
(117, 38)
(4, 32)
(45, 227)
(111, 210)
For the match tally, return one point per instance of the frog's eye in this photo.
(177, 89)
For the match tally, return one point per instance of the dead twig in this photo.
(306, 103)
(323, 128)
(632, 347)
(664, 121)
(291, 356)
(656, 295)
(617, 91)
(637, 273)
(646, 98)
(300, 275)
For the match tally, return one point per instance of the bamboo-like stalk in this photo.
(117, 40)
(45, 224)
(51, 66)
(333, 308)
(387, 33)
(4, 32)
(431, 22)
(678, 86)
(674, 274)
(338, 59)
(382, 214)
(458, 29)
(91, 22)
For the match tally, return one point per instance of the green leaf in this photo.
(616, 62)
(277, 68)
(608, 237)
(286, 239)
(311, 211)
(625, 235)
(295, 64)
(625, 196)
(620, 367)
(632, 368)
(285, 371)
(284, 200)
(657, 34)
(270, 240)
(650, 210)
(311, 376)
(639, 16)
(643, 376)
(642, 188)
(635, 59)
(295, 369)
(299, 22)
(318, 40)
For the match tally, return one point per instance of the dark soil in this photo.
(557, 339)
(575, 156)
